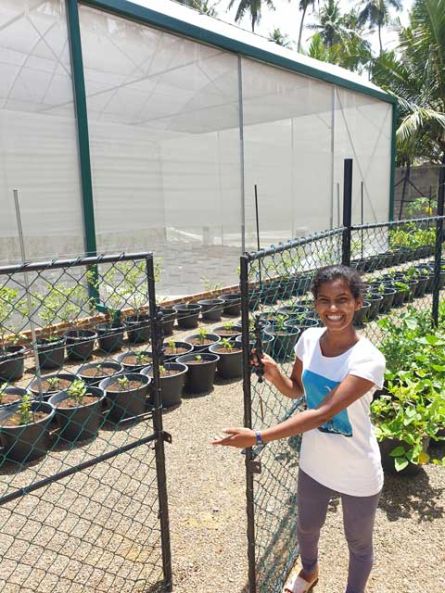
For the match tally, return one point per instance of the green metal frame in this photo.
(392, 178)
(82, 126)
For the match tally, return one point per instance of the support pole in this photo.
(438, 247)
(347, 212)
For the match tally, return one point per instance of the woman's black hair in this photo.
(329, 273)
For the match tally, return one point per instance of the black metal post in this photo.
(250, 506)
(347, 212)
(438, 247)
(156, 341)
(257, 217)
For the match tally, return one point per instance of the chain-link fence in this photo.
(401, 265)
(83, 501)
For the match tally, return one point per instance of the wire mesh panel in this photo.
(402, 267)
(83, 503)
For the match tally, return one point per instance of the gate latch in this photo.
(254, 466)
(167, 437)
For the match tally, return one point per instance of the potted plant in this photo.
(230, 363)
(187, 315)
(232, 303)
(10, 394)
(360, 316)
(386, 292)
(212, 309)
(24, 429)
(50, 344)
(133, 288)
(167, 320)
(92, 373)
(135, 360)
(50, 384)
(172, 377)
(78, 411)
(202, 340)
(201, 371)
(228, 330)
(126, 394)
(12, 355)
(286, 335)
(173, 348)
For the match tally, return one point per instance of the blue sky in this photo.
(287, 18)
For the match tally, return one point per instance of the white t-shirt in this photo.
(343, 453)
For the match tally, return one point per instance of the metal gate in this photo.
(82, 508)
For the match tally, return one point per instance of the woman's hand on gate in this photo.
(240, 438)
(270, 367)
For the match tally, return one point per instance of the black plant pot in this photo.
(51, 353)
(266, 342)
(48, 391)
(232, 304)
(401, 296)
(230, 364)
(201, 373)
(387, 300)
(138, 328)
(28, 441)
(282, 348)
(111, 337)
(12, 395)
(167, 320)
(212, 309)
(95, 372)
(302, 284)
(422, 282)
(360, 316)
(304, 320)
(197, 342)
(80, 343)
(12, 363)
(78, 423)
(386, 446)
(131, 363)
(269, 293)
(125, 404)
(187, 315)
(375, 301)
(171, 386)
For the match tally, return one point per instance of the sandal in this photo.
(297, 584)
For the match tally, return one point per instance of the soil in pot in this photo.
(134, 361)
(230, 363)
(51, 384)
(80, 343)
(25, 441)
(12, 363)
(172, 349)
(172, 376)
(201, 372)
(126, 395)
(94, 372)
(10, 394)
(202, 341)
(187, 315)
(78, 420)
(232, 304)
(138, 328)
(51, 352)
(228, 330)
(111, 336)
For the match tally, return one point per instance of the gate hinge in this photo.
(254, 466)
(167, 437)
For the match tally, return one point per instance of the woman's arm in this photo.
(349, 390)
(289, 386)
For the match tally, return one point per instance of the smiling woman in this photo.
(336, 371)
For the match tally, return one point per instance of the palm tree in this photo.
(330, 25)
(253, 7)
(303, 5)
(280, 39)
(416, 76)
(376, 14)
(203, 6)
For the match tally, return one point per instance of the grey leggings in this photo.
(358, 521)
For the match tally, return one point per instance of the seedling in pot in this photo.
(198, 358)
(280, 323)
(53, 383)
(3, 389)
(228, 325)
(202, 334)
(226, 344)
(162, 370)
(142, 357)
(171, 345)
(124, 382)
(77, 391)
(24, 410)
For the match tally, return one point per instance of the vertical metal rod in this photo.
(250, 504)
(331, 215)
(156, 337)
(438, 246)
(347, 212)
(15, 193)
(257, 218)
(362, 214)
(242, 165)
(338, 204)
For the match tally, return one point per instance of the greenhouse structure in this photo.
(146, 125)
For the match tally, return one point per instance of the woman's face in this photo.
(336, 305)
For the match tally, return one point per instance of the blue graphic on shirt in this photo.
(316, 388)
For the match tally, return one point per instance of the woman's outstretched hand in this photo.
(236, 437)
